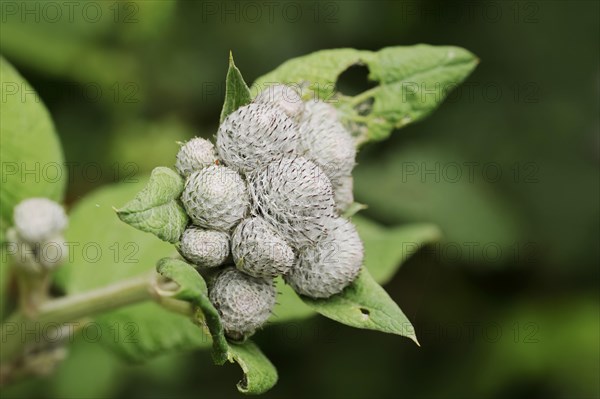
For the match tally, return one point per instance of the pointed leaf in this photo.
(386, 249)
(156, 209)
(353, 209)
(237, 93)
(364, 304)
(412, 82)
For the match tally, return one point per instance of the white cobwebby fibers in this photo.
(259, 250)
(215, 198)
(285, 97)
(325, 141)
(331, 265)
(255, 135)
(194, 155)
(342, 193)
(205, 248)
(293, 195)
(244, 302)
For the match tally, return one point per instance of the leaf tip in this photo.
(413, 337)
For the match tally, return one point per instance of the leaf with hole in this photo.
(364, 304)
(386, 249)
(412, 82)
(156, 209)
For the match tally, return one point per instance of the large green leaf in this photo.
(30, 152)
(386, 249)
(237, 92)
(413, 81)
(432, 183)
(364, 304)
(106, 250)
(156, 209)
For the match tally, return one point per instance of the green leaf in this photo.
(156, 209)
(386, 249)
(104, 250)
(32, 158)
(364, 304)
(435, 186)
(288, 306)
(237, 93)
(259, 373)
(192, 288)
(145, 330)
(413, 81)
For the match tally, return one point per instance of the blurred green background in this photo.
(506, 306)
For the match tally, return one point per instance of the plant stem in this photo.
(20, 329)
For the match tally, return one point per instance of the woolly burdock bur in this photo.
(293, 195)
(283, 96)
(330, 266)
(258, 250)
(244, 302)
(255, 135)
(215, 198)
(196, 154)
(204, 248)
(325, 141)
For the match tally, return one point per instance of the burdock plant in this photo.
(259, 227)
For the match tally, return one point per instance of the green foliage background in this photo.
(519, 319)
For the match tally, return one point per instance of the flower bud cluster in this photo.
(267, 203)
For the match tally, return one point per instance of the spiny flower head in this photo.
(325, 141)
(194, 155)
(259, 250)
(284, 97)
(244, 302)
(215, 198)
(255, 135)
(204, 248)
(38, 219)
(293, 195)
(331, 265)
